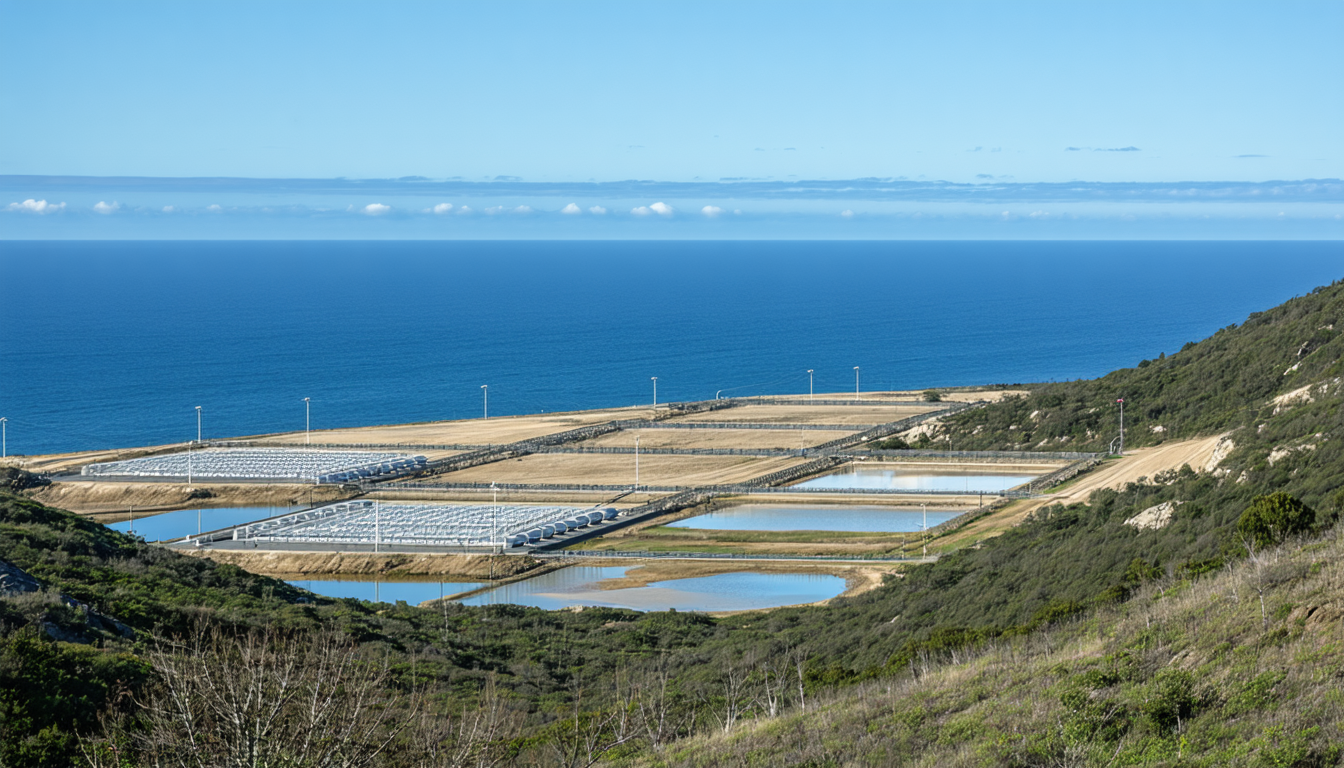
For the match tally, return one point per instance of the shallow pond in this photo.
(815, 517)
(379, 591)
(577, 585)
(165, 526)
(884, 478)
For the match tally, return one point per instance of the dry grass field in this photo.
(602, 469)
(716, 438)
(817, 414)
(503, 429)
(106, 498)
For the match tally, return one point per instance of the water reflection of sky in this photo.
(176, 525)
(897, 479)
(855, 519)
(722, 592)
(413, 592)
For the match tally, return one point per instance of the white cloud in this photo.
(442, 208)
(214, 208)
(103, 207)
(571, 210)
(711, 210)
(661, 208)
(597, 210)
(848, 214)
(642, 210)
(35, 206)
(376, 209)
(168, 209)
(494, 209)
(464, 210)
(523, 209)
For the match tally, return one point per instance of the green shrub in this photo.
(1271, 519)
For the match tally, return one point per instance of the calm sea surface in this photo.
(113, 344)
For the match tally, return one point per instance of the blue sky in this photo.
(1007, 95)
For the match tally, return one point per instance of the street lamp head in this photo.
(809, 370)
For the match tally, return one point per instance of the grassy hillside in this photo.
(1206, 388)
(1187, 672)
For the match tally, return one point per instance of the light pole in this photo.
(636, 462)
(925, 507)
(655, 390)
(198, 423)
(809, 385)
(4, 438)
(1121, 401)
(856, 383)
(198, 521)
(494, 534)
(307, 421)
(189, 444)
(376, 521)
(485, 400)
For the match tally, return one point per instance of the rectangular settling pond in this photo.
(980, 479)
(815, 517)
(167, 526)
(380, 591)
(740, 591)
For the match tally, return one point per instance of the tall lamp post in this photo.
(485, 400)
(1121, 401)
(636, 462)
(809, 385)
(4, 438)
(307, 421)
(925, 507)
(856, 383)
(198, 423)
(655, 390)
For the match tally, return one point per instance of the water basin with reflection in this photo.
(166, 526)
(577, 585)
(381, 591)
(814, 517)
(889, 478)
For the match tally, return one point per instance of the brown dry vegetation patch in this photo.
(101, 497)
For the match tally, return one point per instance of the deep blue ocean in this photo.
(114, 343)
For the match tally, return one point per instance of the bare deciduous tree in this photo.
(258, 698)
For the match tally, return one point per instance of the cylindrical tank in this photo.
(534, 535)
(559, 526)
(547, 531)
(577, 522)
(610, 513)
(518, 540)
(594, 517)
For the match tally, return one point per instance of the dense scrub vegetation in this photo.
(1205, 388)
(88, 663)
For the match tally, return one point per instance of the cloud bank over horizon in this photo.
(44, 207)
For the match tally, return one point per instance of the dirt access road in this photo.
(1141, 462)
